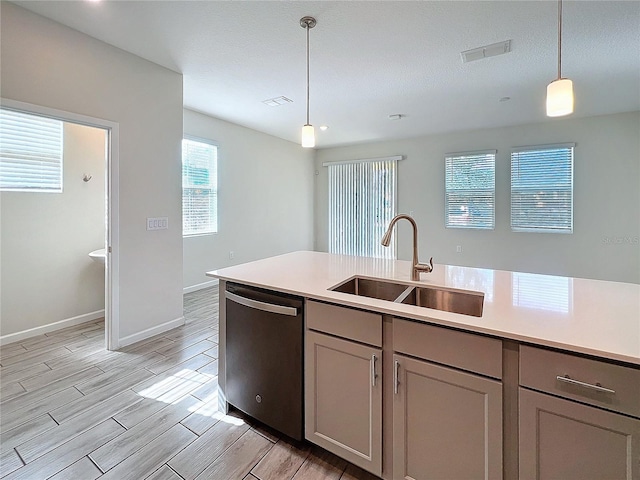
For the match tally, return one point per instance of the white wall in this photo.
(265, 198)
(47, 275)
(45, 63)
(605, 241)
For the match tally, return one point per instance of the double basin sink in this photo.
(447, 300)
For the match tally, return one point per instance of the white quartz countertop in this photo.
(593, 317)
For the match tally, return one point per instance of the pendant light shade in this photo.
(308, 133)
(560, 98)
(560, 91)
(308, 136)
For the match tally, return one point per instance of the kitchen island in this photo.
(585, 334)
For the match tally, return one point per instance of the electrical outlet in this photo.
(458, 248)
(231, 254)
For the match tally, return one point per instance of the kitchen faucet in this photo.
(416, 267)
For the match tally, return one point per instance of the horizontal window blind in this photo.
(30, 152)
(199, 187)
(542, 188)
(362, 202)
(470, 185)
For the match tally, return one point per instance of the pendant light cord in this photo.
(559, 39)
(307, 72)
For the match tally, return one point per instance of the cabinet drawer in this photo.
(467, 351)
(539, 369)
(365, 327)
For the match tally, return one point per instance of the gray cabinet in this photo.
(446, 423)
(562, 439)
(592, 432)
(447, 420)
(343, 399)
(343, 383)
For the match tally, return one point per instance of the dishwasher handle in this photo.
(258, 305)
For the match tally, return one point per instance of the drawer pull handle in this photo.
(597, 386)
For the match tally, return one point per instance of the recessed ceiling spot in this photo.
(486, 51)
(505, 99)
(324, 127)
(276, 102)
(396, 116)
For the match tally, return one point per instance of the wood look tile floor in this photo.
(71, 410)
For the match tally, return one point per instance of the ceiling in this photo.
(372, 59)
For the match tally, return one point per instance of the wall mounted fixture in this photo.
(86, 177)
(560, 91)
(308, 134)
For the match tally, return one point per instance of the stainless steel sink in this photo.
(447, 300)
(367, 287)
(467, 303)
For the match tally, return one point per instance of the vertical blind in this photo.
(542, 188)
(470, 186)
(199, 187)
(362, 202)
(30, 152)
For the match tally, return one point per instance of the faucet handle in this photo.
(422, 267)
(429, 268)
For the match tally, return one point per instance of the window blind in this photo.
(30, 152)
(199, 188)
(470, 185)
(542, 189)
(362, 202)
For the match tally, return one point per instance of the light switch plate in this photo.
(157, 223)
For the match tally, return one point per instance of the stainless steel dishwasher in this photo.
(264, 356)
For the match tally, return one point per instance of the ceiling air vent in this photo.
(276, 102)
(486, 51)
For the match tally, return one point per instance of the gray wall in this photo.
(265, 198)
(47, 64)
(605, 241)
(47, 275)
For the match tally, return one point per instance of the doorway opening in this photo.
(59, 200)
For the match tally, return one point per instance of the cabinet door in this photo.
(343, 399)
(446, 423)
(562, 439)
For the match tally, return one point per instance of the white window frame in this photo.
(515, 226)
(35, 166)
(347, 226)
(471, 193)
(213, 229)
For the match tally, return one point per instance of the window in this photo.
(470, 186)
(542, 189)
(30, 152)
(199, 187)
(362, 202)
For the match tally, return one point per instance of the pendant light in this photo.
(308, 134)
(560, 91)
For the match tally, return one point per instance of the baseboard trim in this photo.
(200, 286)
(51, 327)
(150, 332)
